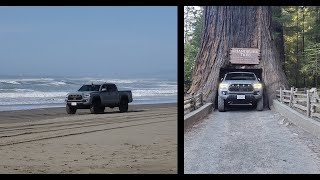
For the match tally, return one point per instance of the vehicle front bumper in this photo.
(84, 103)
(250, 97)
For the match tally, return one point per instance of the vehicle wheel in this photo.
(95, 107)
(221, 107)
(123, 105)
(71, 110)
(260, 104)
(102, 109)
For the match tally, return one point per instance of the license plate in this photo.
(241, 96)
(73, 104)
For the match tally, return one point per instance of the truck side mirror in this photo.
(104, 90)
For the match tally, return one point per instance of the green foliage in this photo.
(190, 52)
(193, 29)
(301, 28)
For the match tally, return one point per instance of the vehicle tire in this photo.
(102, 109)
(95, 107)
(221, 104)
(260, 104)
(71, 110)
(123, 107)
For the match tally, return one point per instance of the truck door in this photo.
(113, 94)
(104, 95)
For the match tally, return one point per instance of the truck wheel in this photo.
(260, 104)
(71, 110)
(102, 109)
(221, 107)
(123, 105)
(95, 107)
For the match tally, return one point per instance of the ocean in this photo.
(17, 93)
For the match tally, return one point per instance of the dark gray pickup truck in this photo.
(96, 97)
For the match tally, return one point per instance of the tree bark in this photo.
(228, 27)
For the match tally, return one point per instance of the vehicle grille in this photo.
(241, 87)
(74, 97)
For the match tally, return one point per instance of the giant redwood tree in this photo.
(228, 27)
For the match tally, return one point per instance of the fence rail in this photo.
(192, 103)
(303, 99)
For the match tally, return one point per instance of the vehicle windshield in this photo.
(90, 88)
(240, 76)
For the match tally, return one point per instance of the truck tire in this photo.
(96, 107)
(71, 110)
(102, 109)
(123, 107)
(260, 104)
(221, 107)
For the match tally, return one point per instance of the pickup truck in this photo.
(240, 88)
(96, 97)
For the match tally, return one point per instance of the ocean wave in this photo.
(116, 81)
(33, 101)
(4, 81)
(154, 92)
(34, 94)
(35, 79)
(16, 90)
(57, 83)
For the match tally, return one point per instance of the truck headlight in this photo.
(87, 95)
(257, 86)
(223, 86)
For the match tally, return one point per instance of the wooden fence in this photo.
(303, 99)
(192, 103)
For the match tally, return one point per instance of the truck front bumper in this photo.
(233, 98)
(80, 104)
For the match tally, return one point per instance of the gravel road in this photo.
(246, 141)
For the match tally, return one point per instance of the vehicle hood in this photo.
(81, 92)
(240, 81)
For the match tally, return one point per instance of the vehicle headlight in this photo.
(87, 95)
(223, 86)
(257, 86)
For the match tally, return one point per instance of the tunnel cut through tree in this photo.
(227, 27)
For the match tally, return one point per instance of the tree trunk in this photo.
(228, 27)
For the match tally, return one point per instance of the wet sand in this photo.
(48, 140)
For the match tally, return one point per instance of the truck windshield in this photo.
(240, 76)
(90, 88)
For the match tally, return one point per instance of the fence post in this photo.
(291, 97)
(304, 89)
(193, 103)
(308, 103)
(315, 93)
(281, 100)
(296, 89)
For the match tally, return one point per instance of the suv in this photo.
(96, 97)
(240, 88)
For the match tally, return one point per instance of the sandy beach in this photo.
(143, 140)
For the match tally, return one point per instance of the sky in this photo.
(89, 41)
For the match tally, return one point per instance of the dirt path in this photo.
(247, 141)
(141, 141)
